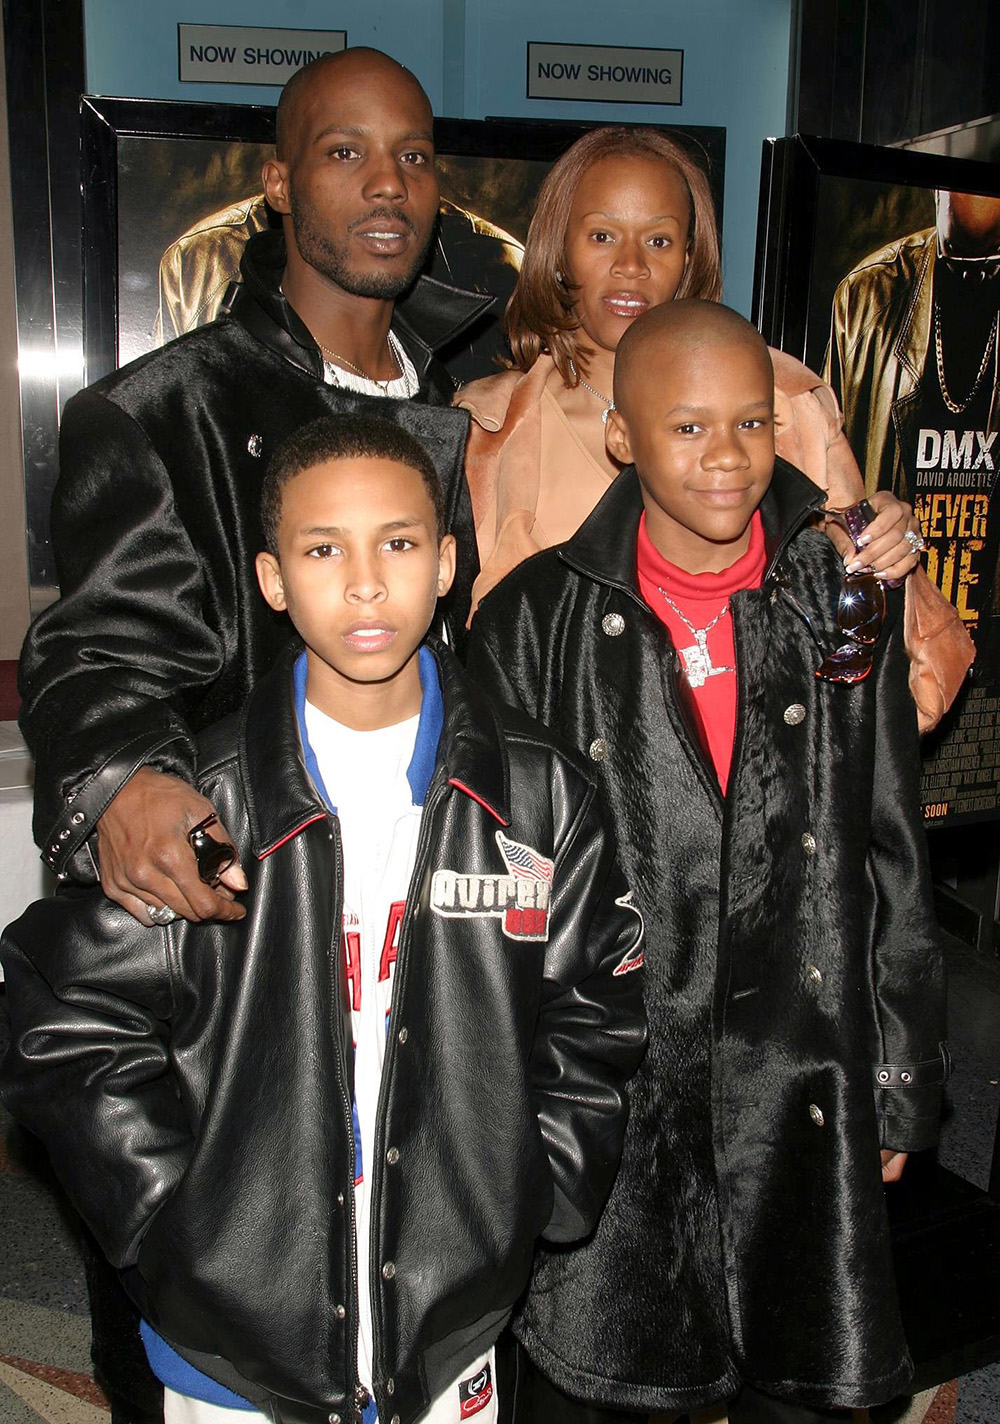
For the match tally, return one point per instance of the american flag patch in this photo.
(520, 898)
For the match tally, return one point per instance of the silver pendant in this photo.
(698, 665)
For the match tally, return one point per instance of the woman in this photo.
(625, 221)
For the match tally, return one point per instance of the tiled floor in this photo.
(44, 1330)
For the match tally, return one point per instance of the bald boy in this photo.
(768, 821)
(160, 629)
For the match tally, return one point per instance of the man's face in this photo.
(969, 224)
(698, 424)
(358, 179)
(359, 570)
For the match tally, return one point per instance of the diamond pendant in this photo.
(697, 665)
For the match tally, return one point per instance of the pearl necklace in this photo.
(698, 665)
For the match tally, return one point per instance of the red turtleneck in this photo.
(701, 597)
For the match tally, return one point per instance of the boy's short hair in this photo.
(343, 438)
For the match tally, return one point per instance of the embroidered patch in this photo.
(475, 1393)
(520, 898)
(635, 957)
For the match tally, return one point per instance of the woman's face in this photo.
(626, 243)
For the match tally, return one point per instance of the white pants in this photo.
(446, 1409)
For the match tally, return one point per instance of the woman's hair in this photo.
(540, 314)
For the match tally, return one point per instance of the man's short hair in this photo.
(343, 438)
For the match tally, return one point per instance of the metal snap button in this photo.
(388, 1270)
(816, 1113)
(341, 1312)
(883, 1076)
(390, 1386)
(333, 1419)
(598, 749)
(64, 835)
(392, 1156)
(906, 1077)
(808, 842)
(613, 624)
(77, 818)
(403, 1034)
(795, 714)
(815, 974)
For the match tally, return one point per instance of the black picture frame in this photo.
(791, 294)
(828, 208)
(109, 124)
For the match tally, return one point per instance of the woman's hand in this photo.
(883, 547)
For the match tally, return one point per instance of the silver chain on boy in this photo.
(698, 665)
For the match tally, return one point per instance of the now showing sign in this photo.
(241, 54)
(612, 74)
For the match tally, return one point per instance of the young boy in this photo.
(768, 822)
(319, 1143)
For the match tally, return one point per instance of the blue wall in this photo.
(470, 57)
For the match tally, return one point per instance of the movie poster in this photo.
(881, 269)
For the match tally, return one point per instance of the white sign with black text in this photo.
(243, 54)
(612, 74)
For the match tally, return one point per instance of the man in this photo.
(159, 629)
(197, 269)
(913, 360)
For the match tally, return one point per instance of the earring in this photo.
(560, 279)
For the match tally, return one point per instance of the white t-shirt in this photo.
(365, 777)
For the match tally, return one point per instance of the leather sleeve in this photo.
(87, 1067)
(102, 669)
(911, 1062)
(591, 1030)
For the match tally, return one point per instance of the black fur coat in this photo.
(793, 978)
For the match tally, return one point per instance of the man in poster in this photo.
(913, 358)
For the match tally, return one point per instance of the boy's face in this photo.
(359, 571)
(698, 424)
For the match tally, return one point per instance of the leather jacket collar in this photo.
(604, 547)
(280, 796)
(429, 315)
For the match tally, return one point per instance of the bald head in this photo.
(675, 329)
(309, 85)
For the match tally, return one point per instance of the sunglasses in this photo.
(214, 857)
(860, 609)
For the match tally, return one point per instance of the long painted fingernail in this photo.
(863, 540)
(855, 567)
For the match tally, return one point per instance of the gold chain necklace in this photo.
(343, 361)
(991, 348)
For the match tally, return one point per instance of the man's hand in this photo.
(885, 548)
(892, 1164)
(146, 861)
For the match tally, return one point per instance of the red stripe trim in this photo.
(469, 792)
(319, 816)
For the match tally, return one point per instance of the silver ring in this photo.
(915, 540)
(162, 914)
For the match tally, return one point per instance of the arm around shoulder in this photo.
(104, 668)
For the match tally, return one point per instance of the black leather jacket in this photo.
(192, 1085)
(161, 629)
(793, 981)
